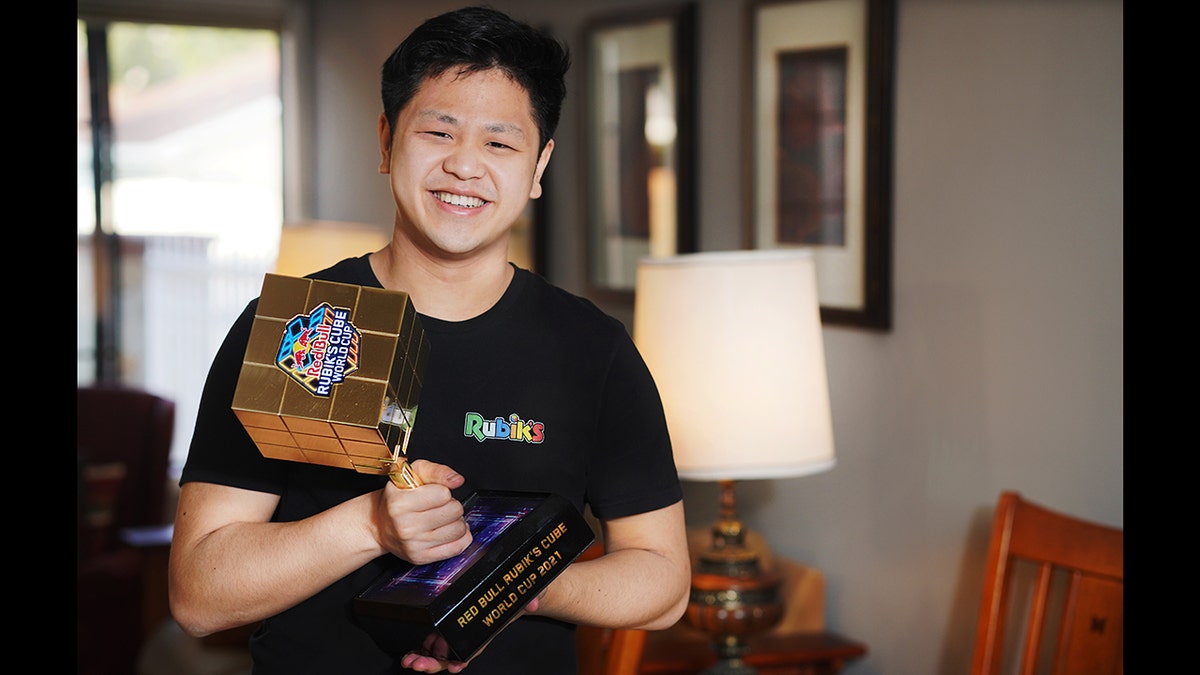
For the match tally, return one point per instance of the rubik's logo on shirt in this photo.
(319, 349)
(499, 429)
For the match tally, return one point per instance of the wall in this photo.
(1005, 366)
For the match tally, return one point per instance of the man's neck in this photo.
(447, 290)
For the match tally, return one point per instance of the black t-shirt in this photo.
(540, 355)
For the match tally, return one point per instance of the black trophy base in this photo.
(522, 542)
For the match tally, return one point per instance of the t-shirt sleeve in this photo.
(221, 450)
(635, 470)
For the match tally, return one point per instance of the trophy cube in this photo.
(521, 542)
(332, 373)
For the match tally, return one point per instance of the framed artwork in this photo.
(820, 74)
(639, 119)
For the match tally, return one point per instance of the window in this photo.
(180, 199)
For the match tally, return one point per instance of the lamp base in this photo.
(731, 609)
(730, 649)
(729, 667)
(731, 597)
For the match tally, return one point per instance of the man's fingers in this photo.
(432, 472)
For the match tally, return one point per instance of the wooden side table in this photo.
(677, 652)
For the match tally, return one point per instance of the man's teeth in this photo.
(459, 200)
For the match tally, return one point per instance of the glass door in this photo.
(180, 199)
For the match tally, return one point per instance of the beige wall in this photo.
(1004, 368)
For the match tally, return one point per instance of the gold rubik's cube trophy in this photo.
(332, 375)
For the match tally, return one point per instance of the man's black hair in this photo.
(474, 39)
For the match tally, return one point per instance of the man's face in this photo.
(463, 161)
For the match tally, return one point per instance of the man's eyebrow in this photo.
(439, 116)
(491, 127)
(505, 128)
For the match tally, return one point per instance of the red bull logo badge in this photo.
(319, 349)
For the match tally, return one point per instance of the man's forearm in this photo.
(624, 589)
(245, 571)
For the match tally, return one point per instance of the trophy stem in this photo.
(402, 475)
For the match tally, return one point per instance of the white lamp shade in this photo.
(734, 342)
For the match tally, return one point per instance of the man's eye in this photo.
(497, 144)
(439, 134)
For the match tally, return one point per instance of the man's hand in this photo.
(423, 524)
(434, 656)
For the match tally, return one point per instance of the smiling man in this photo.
(471, 100)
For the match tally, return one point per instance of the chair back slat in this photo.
(1068, 619)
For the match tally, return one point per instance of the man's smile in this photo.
(459, 200)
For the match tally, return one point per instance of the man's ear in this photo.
(385, 144)
(535, 190)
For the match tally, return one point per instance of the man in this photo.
(471, 100)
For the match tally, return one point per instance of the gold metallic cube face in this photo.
(332, 373)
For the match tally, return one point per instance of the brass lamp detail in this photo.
(731, 597)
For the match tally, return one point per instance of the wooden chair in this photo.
(123, 448)
(1050, 579)
(607, 651)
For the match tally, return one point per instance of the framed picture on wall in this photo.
(820, 74)
(639, 111)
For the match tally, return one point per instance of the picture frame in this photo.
(639, 121)
(819, 103)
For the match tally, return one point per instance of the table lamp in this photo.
(734, 342)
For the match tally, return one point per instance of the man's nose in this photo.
(464, 162)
